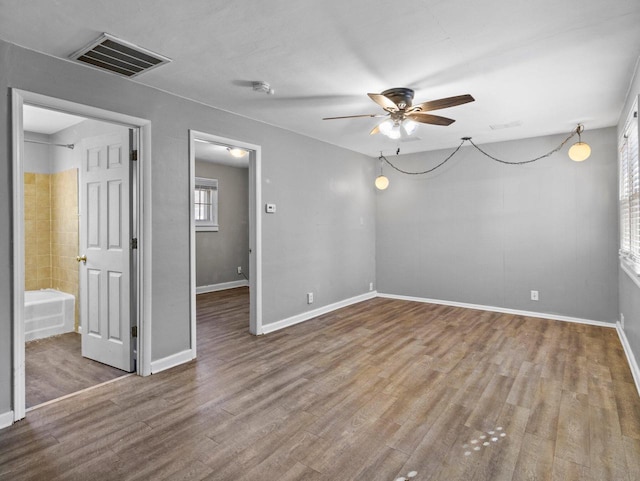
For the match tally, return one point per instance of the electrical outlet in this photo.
(309, 297)
(370, 286)
(534, 296)
(239, 270)
(622, 320)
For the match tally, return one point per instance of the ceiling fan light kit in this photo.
(402, 117)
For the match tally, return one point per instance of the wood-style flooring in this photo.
(370, 392)
(55, 367)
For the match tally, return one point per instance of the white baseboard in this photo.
(171, 361)
(305, 316)
(631, 358)
(6, 419)
(540, 315)
(222, 286)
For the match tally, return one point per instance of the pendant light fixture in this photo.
(580, 150)
(381, 182)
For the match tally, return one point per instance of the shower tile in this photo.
(43, 226)
(44, 272)
(29, 192)
(30, 210)
(42, 213)
(42, 179)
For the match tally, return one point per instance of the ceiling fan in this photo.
(402, 116)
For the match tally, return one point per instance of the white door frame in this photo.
(143, 271)
(255, 229)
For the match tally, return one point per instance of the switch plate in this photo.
(270, 208)
(534, 296)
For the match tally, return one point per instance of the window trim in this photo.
(629, 254)
(212, 224)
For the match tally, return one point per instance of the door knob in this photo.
(82, 259)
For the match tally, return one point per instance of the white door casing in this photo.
(104, 193)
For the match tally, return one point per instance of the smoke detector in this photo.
(263, 87)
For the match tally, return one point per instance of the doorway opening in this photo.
(225, 228)
(76, 219)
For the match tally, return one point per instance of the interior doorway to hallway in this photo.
(213, 162)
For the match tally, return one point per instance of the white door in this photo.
(105, 313)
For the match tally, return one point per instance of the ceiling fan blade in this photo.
(354, 116)
(384, 102)
(375, 130)
(442, 103)
(429, 119)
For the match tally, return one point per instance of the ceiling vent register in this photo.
(118, 56)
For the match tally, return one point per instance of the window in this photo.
(205, 204)
(630, 193)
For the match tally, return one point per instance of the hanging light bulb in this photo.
(381, 182)
(580, 150)
(409, 126)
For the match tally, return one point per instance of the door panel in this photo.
(104, 239)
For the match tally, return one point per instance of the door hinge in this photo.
(134, 243)
(134, 331)
(134, 155)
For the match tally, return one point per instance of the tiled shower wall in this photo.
(37, 231)
(51, 232)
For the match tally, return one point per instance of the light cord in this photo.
(578, 130)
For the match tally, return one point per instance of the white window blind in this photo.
(205, 204)
(630, 193)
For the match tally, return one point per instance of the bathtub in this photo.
(47, 312)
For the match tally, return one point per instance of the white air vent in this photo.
(118, 56)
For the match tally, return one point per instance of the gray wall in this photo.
(629, 291)
(485, 233)
(218, 254)
(321, 239)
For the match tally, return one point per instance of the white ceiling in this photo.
(45, 121)
(219, 154)
(540, 66)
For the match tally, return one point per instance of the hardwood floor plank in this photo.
(573, 436)
(607, 455)
(632, 454)
(545, 409)
(628, 411)
(498, 461)
(568, 471)
(535, 460)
